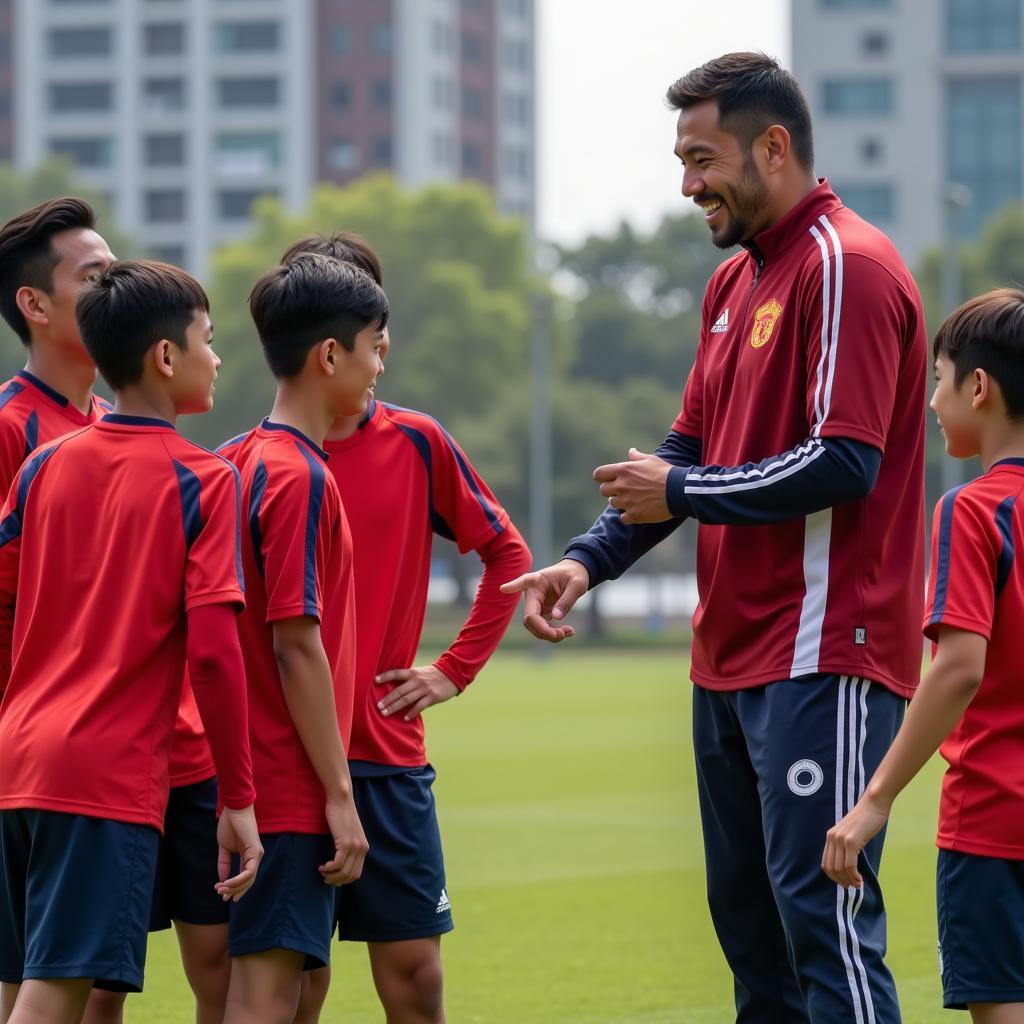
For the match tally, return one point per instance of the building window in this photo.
(248, 154)
(341, 95)
(165, 206)
(517, 8)
(852, 96)
(515, 55)
(876, 203)
(380, 37)
(75, 97)
(236, 204)
(875, 43)
(85, 152)
(381, 151)
(856, 5)
(442, 148)
(380, 93)
(472, 102)
(472, 48)
(248, 37)
(164, 39)
(871, 151)
(5, 46)
(248, 92)
(164, 150)
(163, 94)
(443, 93)
(472, 158)
(340, 40)
(517, 163)
(173, 254)
(5, 102)
(983, 144)
(342, 155)
(515, 108)
(441, 35)
(80, 42)
(982, 26)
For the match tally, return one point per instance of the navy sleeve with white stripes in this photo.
(611, 546)
(818, 473)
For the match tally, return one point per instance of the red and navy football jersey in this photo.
(977, 584)
(297, 558)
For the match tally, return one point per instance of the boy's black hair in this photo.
(310, 298)
(27, 256)
(131, 306)
(754, 91)
(987, 333)
(344, 245)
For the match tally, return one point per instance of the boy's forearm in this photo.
(309, 693)
(940, 702)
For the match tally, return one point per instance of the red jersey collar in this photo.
(117, 419)
(367, 425)
(771, 243)
(270, 425)
(64, 404)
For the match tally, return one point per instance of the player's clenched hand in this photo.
(237, 833)
(350, 845)
(549, 595)
(637, 487)
(845, 840)
(419, 688)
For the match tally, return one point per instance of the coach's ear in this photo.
(163, 358)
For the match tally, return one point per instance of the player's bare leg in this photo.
(8, 993)
(997, 1013)
(314, 994)
(264, 988)
(204, 955)
(104, 1007)
(51, 1001)
(409, 980)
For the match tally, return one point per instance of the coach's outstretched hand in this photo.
(350, 845)
(845, 840)
(549, 595)
(237, 833)
(636, 488)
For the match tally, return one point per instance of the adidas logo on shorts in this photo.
(443, 903)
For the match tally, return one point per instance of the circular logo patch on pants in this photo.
(805, 777)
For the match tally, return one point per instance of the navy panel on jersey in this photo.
(74, 897)
(402, 893)
(187, 866)
(980, 904)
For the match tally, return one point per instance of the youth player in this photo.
(800, 449)
(321, 323)
(403, 479)
(118, 553)
(48, 254)
(970, 699)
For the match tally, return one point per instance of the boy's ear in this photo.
(27, 301)
(982, 387)
(162, 358)
(327, 354)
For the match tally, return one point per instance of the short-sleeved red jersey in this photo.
(33, 414)
(403, 479)
(109, 537)
(817, 331)
(977, 584)
(297, 558)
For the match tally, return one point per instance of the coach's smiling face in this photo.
(722, 175)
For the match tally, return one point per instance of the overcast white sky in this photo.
(605, 134)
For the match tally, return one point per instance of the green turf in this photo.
(568, 808)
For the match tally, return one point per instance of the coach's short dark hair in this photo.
(131, 306)
(310, 298)
(343, 246)
(754, 91)
(27, 256)
(987, 333)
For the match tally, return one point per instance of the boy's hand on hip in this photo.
(419, 688)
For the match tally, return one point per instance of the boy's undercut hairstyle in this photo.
(27, 256)
(987, 333)
(310, 298)
(344, 246)
(754, 91)
(131, 306)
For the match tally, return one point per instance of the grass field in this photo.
(569, 815)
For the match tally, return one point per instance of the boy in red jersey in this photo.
(403, 479)
(48, 254)
(969, 704)
(115, 585)
(321, 323)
